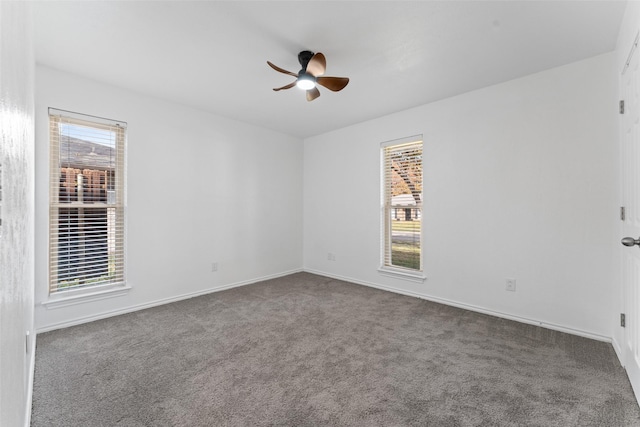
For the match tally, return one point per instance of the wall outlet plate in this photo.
(510, 285)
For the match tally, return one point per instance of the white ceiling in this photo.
(212, 54)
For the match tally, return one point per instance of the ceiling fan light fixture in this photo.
(306, 82)
(311, 75)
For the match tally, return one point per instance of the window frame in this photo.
(114, 211)
(386, 214)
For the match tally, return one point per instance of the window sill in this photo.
(397, 273)
(59, 301)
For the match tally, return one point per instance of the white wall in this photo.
(17, 207)
(201, 189)
(519, 181)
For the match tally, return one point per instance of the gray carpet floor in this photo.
(307, 350)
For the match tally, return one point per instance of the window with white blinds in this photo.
(87, 204)
(402, 204)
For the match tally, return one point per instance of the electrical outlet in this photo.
(214, 266)
(331, 257)
(510, 285)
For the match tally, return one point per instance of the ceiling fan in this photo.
(311, 74)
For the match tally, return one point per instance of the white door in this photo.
(630, 163)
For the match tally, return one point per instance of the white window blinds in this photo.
(87, 205)
(402, 203)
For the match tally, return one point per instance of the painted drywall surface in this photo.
(519, 182)
(626, 37)
(200, 189)
(16, 211)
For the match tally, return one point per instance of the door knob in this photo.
(630, 241)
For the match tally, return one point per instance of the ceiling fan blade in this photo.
(282, 70)
(333, 83)
(313, 94)
(289, 86)
(317, 65)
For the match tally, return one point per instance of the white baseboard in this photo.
(130, 309)
(469, 307)
(618, 349)
(32, 371)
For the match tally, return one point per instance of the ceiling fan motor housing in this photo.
(303, 58)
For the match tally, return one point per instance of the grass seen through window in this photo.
(405, 243)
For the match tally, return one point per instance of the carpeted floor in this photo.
(307, 350)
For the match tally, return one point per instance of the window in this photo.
(402, 205)
(86, 215)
